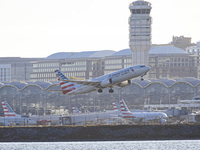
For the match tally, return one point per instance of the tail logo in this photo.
(115, 106)
(8, 112)
(75, 110)
(65, 86)
(125, 111)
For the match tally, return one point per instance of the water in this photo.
(108, 145)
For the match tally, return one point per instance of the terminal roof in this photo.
(124, 52)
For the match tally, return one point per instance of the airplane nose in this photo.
(148, 68)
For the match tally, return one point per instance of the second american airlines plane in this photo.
(119, 78)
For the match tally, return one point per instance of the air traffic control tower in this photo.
(140, 31)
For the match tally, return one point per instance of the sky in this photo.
(39, 28)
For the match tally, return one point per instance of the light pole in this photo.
(20, 101)
(169, 92)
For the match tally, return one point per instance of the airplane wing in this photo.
(92, 83)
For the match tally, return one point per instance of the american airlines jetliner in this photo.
(12, 118)
(140, 117)
(119, 78)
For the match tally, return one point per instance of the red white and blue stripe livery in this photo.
(75, 110)
(8, 111)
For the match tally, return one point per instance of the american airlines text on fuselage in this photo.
(120, 73)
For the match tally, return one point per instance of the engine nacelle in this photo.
(163, 121)
(106, 83)
(124, 83)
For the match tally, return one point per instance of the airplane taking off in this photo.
(11, 116)
(120, 78)
(139, 117)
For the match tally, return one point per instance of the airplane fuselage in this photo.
(144, 116)
(17, 121)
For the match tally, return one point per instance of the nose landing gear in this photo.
(142, 77)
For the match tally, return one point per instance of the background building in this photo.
(182, 42)
(84, 65)
(195, 50)
(171, 62)
(5, 73)
(16, 68)
(165, 62)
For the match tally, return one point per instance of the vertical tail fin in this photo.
(66, 86)
(75, 110)
(8, 111)
(125, 111)
(123, 106)
(116, 106)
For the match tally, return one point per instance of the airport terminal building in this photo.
(165, 62)
(35, 98)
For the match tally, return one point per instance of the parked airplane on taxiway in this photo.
(10, 117)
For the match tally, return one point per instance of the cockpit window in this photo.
(142, 66)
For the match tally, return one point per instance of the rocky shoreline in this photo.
(99, 133)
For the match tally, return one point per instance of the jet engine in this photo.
(163, 121)
(124, 83)
(106, 82)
